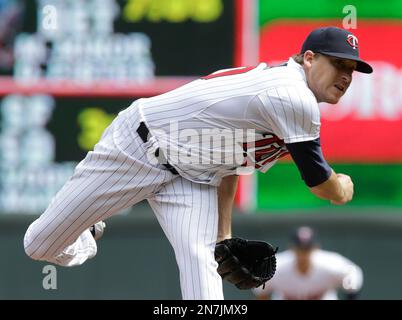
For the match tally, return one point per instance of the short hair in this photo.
(299, 58)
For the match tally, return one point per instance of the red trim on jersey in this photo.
(230, 72)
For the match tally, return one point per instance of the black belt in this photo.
(143, 132)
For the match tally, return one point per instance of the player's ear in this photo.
(308, 57)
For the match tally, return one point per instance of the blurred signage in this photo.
(68, 67)
(366, 125)
(86, 40)
(41, 139)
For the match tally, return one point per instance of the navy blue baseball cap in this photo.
(303, 238)
(336, 42)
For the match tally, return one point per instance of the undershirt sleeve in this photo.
(310, 161)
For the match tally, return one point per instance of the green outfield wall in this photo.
(378, 185)
(135, 261)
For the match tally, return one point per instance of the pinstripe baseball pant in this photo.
(117, 175)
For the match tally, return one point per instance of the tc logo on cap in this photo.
(352, 40)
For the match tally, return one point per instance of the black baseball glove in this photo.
(245, 263)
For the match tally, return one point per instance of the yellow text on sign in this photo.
(93, 121)
(174, 11)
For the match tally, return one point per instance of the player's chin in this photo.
(332, 101)
(333, 98)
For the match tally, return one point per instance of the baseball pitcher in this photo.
(183, 151)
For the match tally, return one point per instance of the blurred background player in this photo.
(306, 272)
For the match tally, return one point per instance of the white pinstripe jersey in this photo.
(269, 106)
(329, 271)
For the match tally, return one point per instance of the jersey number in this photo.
(264, 151)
